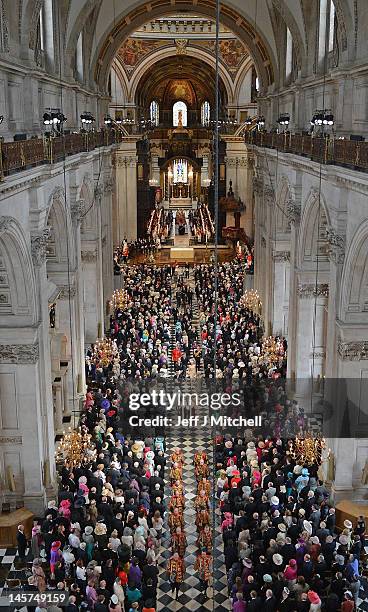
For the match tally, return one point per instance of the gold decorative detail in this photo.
(181, 46)
(251, 300)
(73, 447)
(119, 299)
(104, 352)
(307, 449)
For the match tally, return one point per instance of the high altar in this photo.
(181, 174)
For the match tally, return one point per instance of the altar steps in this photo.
(181, 204)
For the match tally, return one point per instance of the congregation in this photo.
(102, 539)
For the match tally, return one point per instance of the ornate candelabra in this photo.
(307, 449)
(73, 446)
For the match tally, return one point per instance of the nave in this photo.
(272, 528)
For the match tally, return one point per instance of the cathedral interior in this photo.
(183, 305)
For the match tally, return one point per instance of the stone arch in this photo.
(191, 51)
(128, 22)
(354, 281)
(61, 254)
(289, 20)
(121, 78)
(313, 245)
(30, 14)
(243, 71)
(18, 303)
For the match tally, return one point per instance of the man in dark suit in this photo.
(270, 603)
(255, 602)
(21, 542)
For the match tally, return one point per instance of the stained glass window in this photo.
(154, 112)
(206, 113)
(180, 171)
(180, 109)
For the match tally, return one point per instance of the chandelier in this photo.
(251, 300)
(307, 449)
(119, 299)
(104, 352)
(73, 446)
(272, 349)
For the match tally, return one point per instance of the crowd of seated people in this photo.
(282, 549)
(241, 350)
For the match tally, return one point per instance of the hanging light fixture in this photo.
(261, 122)
(119, 299)
(104, 352)
(87, 118)
(73, 446)
(308, 449)
(251, 300)
(284, 119)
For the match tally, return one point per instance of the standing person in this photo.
(39, 578)
(21, 542)
(36, 540)
(203, 566)
(176, 570)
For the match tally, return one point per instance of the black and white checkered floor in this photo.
(190, 597)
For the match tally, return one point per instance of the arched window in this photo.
(331, 27)
(180, 110)
(79, 58)
(205, 113)
(155, 112)
(44, 37)
(326, 31)
(289, 54)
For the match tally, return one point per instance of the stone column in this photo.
(239, 169)
(27, 433)
(344, 450)
(91, 297)
(77, 211)
(293, 213)
(281, 274)
(100, 290)
(268, 287)
(67, 306)
(58, 406)
(257, 189)
(310, 339)
(107, 240)
(126, 189)
(336, 256)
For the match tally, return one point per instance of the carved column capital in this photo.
(309, 290)
(281, 256)
(98, 192)
(77, 210)
(108, 185)
(257, 185)
(293, 211)
(19, 353)
(230, 162)
(336, 245)
(269, 194)
(66, 291)
(89, 256)
(353, 351)
(5, 224)
(39, 241)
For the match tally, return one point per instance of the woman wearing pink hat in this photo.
(291, 572)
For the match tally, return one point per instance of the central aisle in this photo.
(190, 597)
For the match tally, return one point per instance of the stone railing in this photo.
(349, 153)
(24, 154)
